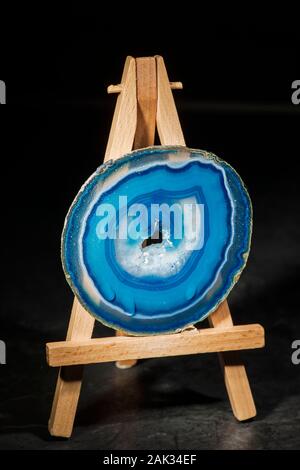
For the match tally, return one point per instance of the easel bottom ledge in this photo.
(191, 341)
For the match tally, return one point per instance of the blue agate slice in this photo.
(155, 240)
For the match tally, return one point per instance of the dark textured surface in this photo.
(160, 403)
(246, 118)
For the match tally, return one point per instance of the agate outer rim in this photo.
(105, 166)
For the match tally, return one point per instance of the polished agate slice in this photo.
(155, 240)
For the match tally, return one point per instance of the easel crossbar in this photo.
(191, 341)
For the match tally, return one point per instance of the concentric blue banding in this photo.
(168, 285)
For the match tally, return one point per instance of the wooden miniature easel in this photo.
(145, 101)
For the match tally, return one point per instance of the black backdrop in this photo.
(236, 102)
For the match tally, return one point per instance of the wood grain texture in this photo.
(146, 101)
(114, 88)
(123, 126)
(190, 341)
(176, 85)
(168, 124)
(81, 322)
(70, 378)
(235, 375)
(118, 88)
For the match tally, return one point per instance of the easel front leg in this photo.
(235, 376)
(70, 378)
(81, 324)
